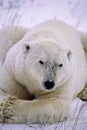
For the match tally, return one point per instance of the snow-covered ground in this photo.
(31, 12)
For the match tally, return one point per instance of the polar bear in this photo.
(42, 70)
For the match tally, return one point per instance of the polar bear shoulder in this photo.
(9, 35)
(83, 38)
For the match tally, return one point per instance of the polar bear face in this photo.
(47, 65)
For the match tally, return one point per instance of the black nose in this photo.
(49, 84)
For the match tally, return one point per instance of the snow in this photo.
(31, 12)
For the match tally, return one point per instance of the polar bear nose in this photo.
(49, 84)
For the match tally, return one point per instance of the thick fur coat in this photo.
(42, 70)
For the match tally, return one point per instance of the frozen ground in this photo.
(30, 12)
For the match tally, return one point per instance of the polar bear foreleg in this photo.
(35, 111)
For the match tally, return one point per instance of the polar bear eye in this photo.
(27, 47)
(41, 62)
(60, 65)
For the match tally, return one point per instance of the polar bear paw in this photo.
(7, 110)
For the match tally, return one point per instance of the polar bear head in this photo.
(41, 62)
(47, 65)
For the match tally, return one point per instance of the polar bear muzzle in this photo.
(50, 74)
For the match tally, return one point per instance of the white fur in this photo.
(22, 76)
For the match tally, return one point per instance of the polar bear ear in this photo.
(69, 55)
(26, 47)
